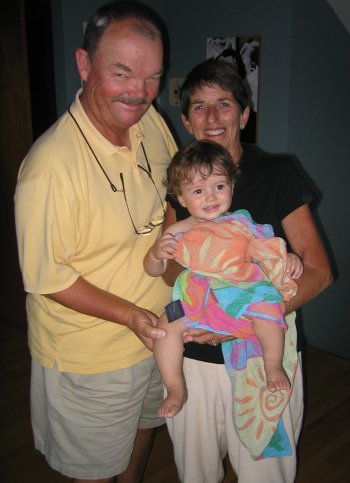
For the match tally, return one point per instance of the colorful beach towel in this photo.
(236, 270)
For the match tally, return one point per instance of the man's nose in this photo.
(137, 88)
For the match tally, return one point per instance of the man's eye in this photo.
(155, 78)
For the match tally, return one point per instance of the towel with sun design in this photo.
(235, 271)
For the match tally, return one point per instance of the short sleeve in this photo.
(45, 245)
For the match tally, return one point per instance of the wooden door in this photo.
(15, 140)
(26, 69)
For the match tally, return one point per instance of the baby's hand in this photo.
(294, 266)
(165, 247)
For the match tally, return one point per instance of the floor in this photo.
(324, 445)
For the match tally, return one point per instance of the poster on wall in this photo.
(244, 52)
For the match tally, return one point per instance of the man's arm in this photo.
(86, 298)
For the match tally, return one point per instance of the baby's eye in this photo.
(197, 192)
(220, 187)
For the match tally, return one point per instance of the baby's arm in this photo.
(294, 266)
(155, 261)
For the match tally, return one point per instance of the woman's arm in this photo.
(306, 242)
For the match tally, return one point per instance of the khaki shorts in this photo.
(85, 425)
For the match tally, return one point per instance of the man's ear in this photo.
(83, 63)
(187, 123)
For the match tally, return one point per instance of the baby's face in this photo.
(206, 197)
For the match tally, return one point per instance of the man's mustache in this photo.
(132, 101)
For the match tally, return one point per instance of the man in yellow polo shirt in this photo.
(89, 203)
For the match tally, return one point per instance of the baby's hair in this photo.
(203, 157)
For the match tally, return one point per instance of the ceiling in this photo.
(342, 9)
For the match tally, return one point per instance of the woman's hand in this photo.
(202, 336)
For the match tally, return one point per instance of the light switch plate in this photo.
(174, 90)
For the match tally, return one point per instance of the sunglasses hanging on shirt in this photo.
(156, 220)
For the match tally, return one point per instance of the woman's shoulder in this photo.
(256, 158)
(258, 164)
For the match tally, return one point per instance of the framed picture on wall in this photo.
(244, 51)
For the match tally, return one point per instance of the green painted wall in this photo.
(303, 107)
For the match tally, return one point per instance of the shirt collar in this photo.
(102, 146)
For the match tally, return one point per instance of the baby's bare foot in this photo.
(276, 377)
(172, 404)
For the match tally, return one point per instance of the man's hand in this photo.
(144, 325)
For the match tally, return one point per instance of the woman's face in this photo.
(214, 114)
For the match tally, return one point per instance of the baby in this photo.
(202, 177)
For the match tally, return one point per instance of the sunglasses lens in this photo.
(157, 220)
(145, 230)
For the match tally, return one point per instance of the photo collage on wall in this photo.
(244, 52)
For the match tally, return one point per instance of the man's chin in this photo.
(129, 117)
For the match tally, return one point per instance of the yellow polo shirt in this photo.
(70, 223)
